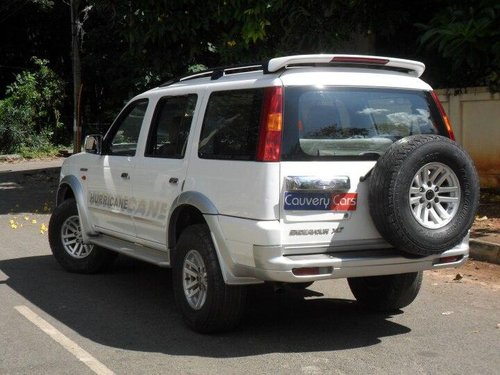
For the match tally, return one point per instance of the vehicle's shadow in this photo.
(27, 191)
(132, 307)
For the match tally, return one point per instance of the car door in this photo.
(161, 170)
(109, 186)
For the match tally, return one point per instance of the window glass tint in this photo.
(353, 123)
(125, 132)
(231, 125)
(171, 125)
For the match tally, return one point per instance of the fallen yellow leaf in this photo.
(33, 221)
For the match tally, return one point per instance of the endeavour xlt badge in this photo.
(297, 201)
(315, 232)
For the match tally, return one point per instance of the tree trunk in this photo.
(77, 71)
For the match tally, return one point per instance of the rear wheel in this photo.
(66, 242)
(207, 304)
(388, 292)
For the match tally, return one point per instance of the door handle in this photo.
(125, 176)
(173, 180)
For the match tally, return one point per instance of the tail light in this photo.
(443, 115)
(271, 126)
(360, 60)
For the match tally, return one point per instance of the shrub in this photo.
(30, 115)
(467, 37)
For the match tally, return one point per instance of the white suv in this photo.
(300, 169)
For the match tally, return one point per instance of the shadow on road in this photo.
(132, 308)
(28, 191)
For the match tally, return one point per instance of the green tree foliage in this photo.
(467, 37)
(148, 42)
(30, 112)
(129, 46)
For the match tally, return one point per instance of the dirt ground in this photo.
(486, 227)
(473, 272)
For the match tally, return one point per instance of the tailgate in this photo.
(324, 207)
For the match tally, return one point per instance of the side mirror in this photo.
(93, 144)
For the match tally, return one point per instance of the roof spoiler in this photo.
(415, 68)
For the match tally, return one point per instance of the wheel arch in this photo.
(64, 192)
(187, 209)
(191, 208)
(70, 187)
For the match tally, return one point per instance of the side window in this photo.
(125, 132)
(170, 128)
(231, 125)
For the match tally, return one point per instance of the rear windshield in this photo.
(353, 123)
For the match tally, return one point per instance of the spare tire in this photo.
(423, 194)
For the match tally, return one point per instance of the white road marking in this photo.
(64, 341)
(3, 277)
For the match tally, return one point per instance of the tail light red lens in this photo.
(450, 259)
(306, 271)
(443, 115)
(271, 126)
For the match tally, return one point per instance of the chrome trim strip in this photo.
(315, 183)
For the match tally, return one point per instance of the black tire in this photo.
(388, 292)
(389, 194)
(93, 259)
(223, 305)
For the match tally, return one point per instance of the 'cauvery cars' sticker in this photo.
(297, 201)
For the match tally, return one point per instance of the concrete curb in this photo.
(485, 251)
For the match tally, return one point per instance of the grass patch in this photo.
(41, 152)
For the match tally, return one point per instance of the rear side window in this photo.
(353, 123)
(170, 127)
(231, 125)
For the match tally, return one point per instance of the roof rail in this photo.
(415, 68)
(216, 73)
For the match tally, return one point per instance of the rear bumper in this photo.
(272, 265)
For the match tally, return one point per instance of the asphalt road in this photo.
(125, 321)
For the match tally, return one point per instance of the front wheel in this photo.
(207, 304)
(388, 292)
(66, 242)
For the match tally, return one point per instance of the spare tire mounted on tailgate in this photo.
(424, 193)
